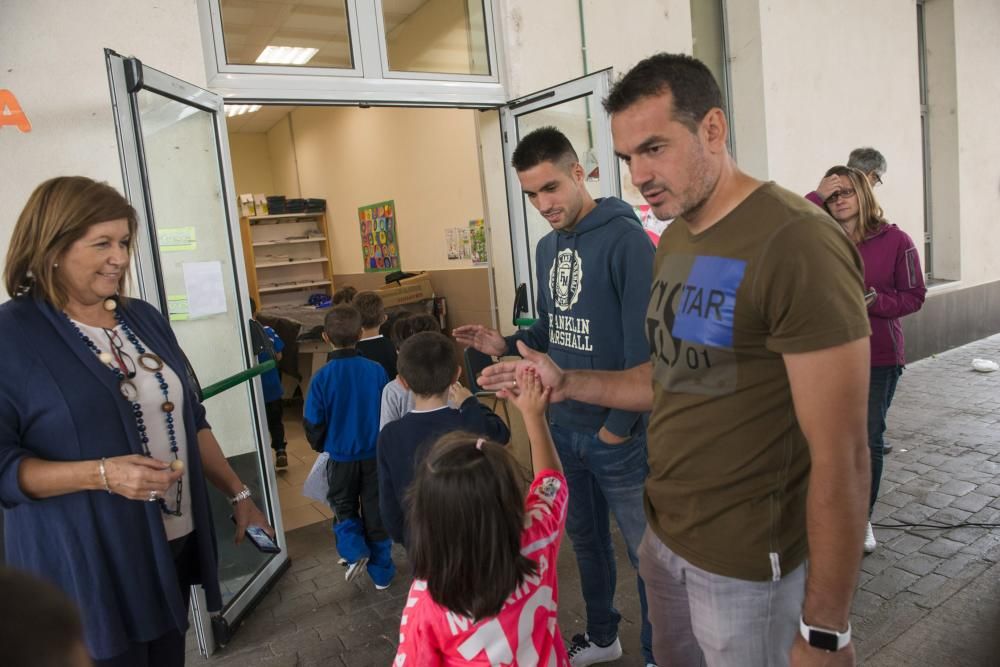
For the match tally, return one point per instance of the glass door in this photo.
(574, 108)
(176, 169)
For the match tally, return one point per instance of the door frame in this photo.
(596, 85)
(126, 77)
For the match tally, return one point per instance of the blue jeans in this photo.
(881, 388)
(703, 618)
(604, 479)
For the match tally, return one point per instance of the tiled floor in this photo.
(297, 510)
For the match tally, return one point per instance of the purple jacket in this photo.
(892, 267)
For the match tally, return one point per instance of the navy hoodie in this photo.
(593, 285)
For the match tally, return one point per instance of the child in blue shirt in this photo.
(341, 419)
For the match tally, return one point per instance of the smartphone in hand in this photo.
(260, 539)
(870, 296)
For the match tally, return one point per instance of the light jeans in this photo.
(700, 618)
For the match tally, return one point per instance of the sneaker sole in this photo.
(354, 572)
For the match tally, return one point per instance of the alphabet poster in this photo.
(379, 241)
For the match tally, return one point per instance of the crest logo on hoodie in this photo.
(566, 277)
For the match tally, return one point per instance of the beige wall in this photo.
(52, 58)
(977, 23)
(251, 163)
(542, 42)
(823, 100)
(281, 149)
(423, 159)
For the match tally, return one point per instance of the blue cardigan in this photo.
(108, 553)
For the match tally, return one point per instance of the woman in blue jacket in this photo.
(104, 445)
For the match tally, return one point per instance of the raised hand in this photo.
(458, 394)
(501, 377)
(486, 340)
(828, 186)
(532, 397)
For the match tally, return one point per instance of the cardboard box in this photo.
(408, 290)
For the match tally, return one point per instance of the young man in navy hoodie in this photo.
(593, 272)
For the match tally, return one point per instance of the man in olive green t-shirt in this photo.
(758, 386)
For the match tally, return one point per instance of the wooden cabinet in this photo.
(287, 256)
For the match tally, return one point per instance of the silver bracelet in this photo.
(242, 495)
(104, 476)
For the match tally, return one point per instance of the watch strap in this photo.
(823, 638)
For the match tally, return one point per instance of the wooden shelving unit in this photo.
(287, 257)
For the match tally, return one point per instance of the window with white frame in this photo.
(312, 33)
(426, 40)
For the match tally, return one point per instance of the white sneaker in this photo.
(584, 652)
(869, 539)
(355, 568)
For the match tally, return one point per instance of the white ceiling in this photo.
(258, 121)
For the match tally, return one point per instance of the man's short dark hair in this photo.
(694, 89)
(39, 626)
(868, 160)
(428, 361)
(372, 310)
(546, 144)
(342, 325)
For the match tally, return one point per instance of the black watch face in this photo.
(824, 640)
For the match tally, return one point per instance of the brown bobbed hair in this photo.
(344, 295)
(411, 324)
(465, 517)
(58, 214)
(870, 216)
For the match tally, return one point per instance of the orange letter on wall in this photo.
(10, 112)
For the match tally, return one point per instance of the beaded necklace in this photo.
(153, 364)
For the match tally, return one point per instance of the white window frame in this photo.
(434, 76)
(369, 81)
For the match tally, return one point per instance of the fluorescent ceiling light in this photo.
(240, 109)
(286, 55)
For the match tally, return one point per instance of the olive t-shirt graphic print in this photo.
(690, 323)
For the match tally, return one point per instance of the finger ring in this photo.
(515, 383)
(153, 496)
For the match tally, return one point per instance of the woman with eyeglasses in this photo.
(895, 288)
(104, 444)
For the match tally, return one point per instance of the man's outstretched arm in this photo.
(630, 389)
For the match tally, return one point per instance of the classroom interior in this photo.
(423, 160)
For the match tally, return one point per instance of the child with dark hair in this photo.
(39, 626)
(373, 345)
(397, 400)
(344, 296)
(427, 366)
(270, 383)
(484, 556)
(341, 419)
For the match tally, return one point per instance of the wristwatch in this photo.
(822, 638)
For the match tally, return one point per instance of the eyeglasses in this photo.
(122, 358)
(878, 179)
(839, 194)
